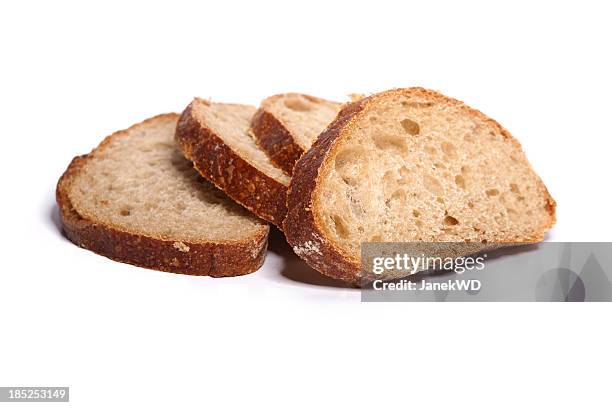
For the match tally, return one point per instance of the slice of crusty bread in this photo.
(286, 125)
(136, 199)
(411, 165)
(215, 137)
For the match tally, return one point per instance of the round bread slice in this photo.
(287, 125)
(215, 137)
(411, 165)
(136, 199)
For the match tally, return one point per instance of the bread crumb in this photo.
(181, 246)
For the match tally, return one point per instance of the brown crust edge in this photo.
(226, 169)
(301, 227)
(276, 140)
(215, 259)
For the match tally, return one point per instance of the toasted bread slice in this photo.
(215, 137)
(286, 125)
(411, 165)
(136, 199)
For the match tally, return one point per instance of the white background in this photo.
(118, 335)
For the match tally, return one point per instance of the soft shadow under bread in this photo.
(294, 268)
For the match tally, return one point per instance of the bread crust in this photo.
(301, 226)
(216, 259)
(226, 169)
(276, 140)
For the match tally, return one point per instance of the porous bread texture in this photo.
(232, 122)
(136, 199)
(286, 125)
(412, 165)
(142, 183)
(416, 170)
(304, 116)
(215, 137)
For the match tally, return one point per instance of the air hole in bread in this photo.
(468, 137)
(356, 207)
(450, 220)
(376, 238)
(125, 212)
(398, 196)
(492, 192)
(389, 176)
(430, 150)
(411, 127)
(449, 149)
(404, 175)
(340, 226)
(297, 104)
(432, 185)
(514, 188)
(351, 164)
(394, 142)
(416, 213)
(460, 181)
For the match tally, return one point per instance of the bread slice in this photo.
(286, 125)
(215, 137)
(411, 165)
(136, 199)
